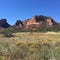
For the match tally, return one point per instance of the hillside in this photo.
(37, 38)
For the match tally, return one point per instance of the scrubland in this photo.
(30, 46)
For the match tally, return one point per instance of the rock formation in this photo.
(19, 24)
(38, 22)
(4, 24)
(34, 23)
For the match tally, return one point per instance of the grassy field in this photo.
(30, 46)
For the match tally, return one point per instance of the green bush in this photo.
(6, 32)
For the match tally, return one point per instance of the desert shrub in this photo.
(7, 32)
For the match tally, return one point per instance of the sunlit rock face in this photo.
(4, 23)
(37, 22)
(32, 24)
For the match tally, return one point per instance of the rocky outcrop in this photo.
(38, 22)
(31, 24)
(19, 24)
(4, 24)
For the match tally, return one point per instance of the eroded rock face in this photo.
(4, 24)
(32, 24)
(19, 24)
(37, 22)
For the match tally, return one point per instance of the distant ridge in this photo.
(34, 23)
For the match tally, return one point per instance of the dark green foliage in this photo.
(16, 29)
(6, 32)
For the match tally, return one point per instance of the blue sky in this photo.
(14, 10)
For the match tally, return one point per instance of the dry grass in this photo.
(34, 44)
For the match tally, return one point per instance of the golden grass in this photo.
(27, 37)
(34, 45)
